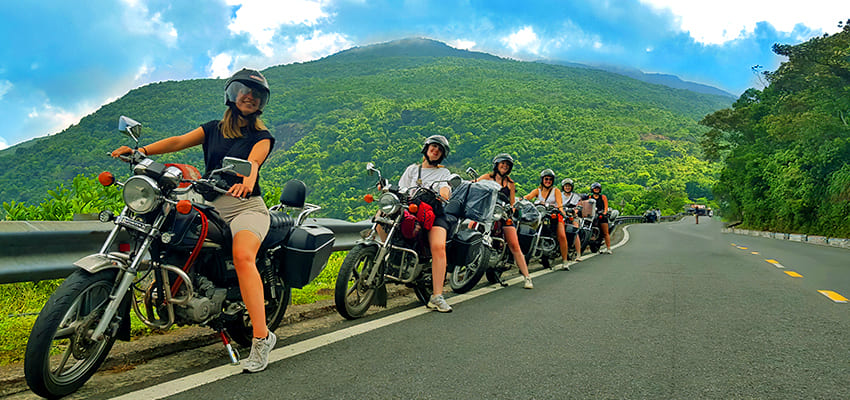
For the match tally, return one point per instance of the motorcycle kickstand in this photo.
(502, 281)
(233, 353)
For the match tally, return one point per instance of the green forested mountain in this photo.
(787, 147)
(378, 103)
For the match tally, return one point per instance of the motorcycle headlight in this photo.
(141, 194)
(389, 203)
(498, 213)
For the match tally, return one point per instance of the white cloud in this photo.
(220, 65)
(318, 45)
(260, 19)
(3, 143)
(144, 71)
(462, 44)
(56, 119)
(717, 22)
(138, 20)
(523, 40)
(5, 87)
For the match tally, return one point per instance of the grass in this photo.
(21, 302)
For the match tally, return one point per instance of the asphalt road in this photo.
(681, 311)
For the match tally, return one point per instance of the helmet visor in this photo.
(237, 89)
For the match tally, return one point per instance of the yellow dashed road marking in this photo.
(754, 252)
(743, 248)
(794, 274)
(833, 296)
(775, 263)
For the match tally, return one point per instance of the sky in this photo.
(61, 60)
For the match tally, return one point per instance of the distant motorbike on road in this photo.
(176, 270)
(404, 257)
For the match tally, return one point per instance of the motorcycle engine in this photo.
(204, 305)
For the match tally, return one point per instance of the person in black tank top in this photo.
(239, 134)
(602, 213)
(502, 166)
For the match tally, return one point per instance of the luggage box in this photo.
(464, 247)
(307, 251)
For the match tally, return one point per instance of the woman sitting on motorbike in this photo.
(429, 171)
(239, 134)
(571, 200)
(548, 195)
(602, 213)
(502, 166)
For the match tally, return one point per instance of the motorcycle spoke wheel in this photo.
(353, 295)
(61, 355)
(464, 278)
(276, 295)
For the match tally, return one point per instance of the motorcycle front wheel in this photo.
(61, 355)
(276, 295)
(465, 277)
(353, 295)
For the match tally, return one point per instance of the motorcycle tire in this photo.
(277, 296)
(71, 313)
(351, 295)
(594, 247)
(465, 277)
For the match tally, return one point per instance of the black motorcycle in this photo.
(590, 218)
(537, 231)
(403, 256)
(175, 269)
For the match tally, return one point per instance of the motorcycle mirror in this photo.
(472, 172)
(130, 127)
(237, 165)
(455, 180)
(370, 168)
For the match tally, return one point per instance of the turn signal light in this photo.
(509, 222)
(368, 198)
(413, 208)
(184, 206)
(106, 178)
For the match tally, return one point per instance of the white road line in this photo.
(218, 373)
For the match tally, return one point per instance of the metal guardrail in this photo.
(38, 250)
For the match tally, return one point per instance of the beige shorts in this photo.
(244, 215)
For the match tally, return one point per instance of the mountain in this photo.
(378, 103)
(672, 81)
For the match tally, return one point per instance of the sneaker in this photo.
(565, 265)
(528, 284)
(579, 259)
(438, 303)
(607, 251)
(260, 349)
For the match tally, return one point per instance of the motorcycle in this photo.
(176, 268)
(403, 256)
(537, 231)
(590, 219)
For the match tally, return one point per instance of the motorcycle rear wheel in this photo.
(64, 325)
(465, 277)
(277, 296)
(352, 295)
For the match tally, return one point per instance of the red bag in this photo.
(409, 226)
(425, 215)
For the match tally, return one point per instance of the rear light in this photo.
(106, 178)
(124, 247)
(368, 198)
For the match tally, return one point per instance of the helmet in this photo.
(247, 80)
(566, 181)
(503, 157)
(595, 185)
(439, 140)
(547, 172)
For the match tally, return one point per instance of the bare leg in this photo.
(437, 241)
(512, 239)
(607, 236)
(245, 247)
(562, 242)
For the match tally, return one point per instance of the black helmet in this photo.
(247, 80)
(547, 172)
(503, 157)
(566, 181)
(595, 185)
(438, 140)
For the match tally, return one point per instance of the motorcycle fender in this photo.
(95, 263)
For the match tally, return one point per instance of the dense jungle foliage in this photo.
(787, 147)
(378, 103)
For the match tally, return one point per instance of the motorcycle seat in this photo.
(279, 227)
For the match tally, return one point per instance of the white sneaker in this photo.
(528, 284)
(438, 303)
(260, 349)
